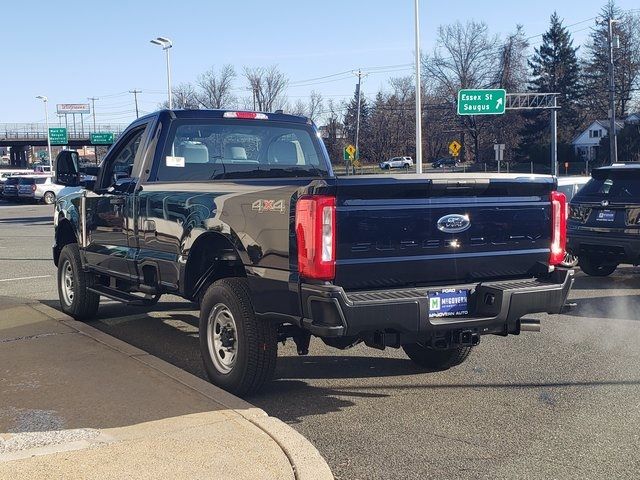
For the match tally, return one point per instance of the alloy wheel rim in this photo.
(222, 338)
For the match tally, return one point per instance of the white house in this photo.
(586, 144)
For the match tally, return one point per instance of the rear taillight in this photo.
(316, 234)
(559, 228)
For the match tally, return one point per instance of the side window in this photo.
(121, 163)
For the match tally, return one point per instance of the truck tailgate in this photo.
(439, 230)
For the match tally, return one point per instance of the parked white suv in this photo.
(39, 189)
(397, 162)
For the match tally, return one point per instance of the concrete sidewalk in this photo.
(77, 403)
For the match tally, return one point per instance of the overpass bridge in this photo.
(20, 137)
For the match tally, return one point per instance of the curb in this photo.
(306, 461)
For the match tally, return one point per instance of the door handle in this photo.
(149, 226)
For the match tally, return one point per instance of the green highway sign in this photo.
(482, 102)
(58, 136)
(102, 138)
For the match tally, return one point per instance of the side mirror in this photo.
(66, 168)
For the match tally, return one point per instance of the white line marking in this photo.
(23, 278)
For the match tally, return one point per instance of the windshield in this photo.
(200, 150)
(614, 185)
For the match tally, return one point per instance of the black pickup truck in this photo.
(241, 213)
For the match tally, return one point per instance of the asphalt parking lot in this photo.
(563, 403)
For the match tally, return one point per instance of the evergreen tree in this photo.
(350, 123)
(555, 69)
(626, 57)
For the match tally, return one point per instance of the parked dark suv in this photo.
(604, 220)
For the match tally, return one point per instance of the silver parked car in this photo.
(397, 162)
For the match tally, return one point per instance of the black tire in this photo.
(436, 359)
(254, 341)
(81, 304)
(49, 198)
(595, 268)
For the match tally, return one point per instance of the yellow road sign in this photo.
(350, 149)
(454, 148)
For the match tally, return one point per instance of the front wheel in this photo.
(595, 268)
(239, 350)
(73, 285)
(436, 359)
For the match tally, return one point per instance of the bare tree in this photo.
(299, 108)
(465, 56)
(315, 105)
(184, 97)
(268, 87)
(216, 88)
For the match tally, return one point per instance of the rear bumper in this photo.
(496, 308)
(622, 248)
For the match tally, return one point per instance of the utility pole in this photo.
(93, 113)
(613, 140)
(93, 110)
(418, 95)
(357, 154)
(135, 98)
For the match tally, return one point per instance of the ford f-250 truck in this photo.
(241, 213)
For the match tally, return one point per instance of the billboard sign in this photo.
(73, 108)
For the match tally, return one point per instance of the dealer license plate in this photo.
(449, 302)
(606, 216)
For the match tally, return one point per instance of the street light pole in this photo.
(46, 121)
(418, 94)
(166, 44)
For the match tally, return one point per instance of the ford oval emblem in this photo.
(454, 223)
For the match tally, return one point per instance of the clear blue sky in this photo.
(71, 50)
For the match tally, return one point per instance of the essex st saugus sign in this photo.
(482, 101)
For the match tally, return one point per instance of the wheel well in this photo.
(211, 258)
(65, 235)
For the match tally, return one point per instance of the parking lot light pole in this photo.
(46, 121)
(418, 97)
(166, 44)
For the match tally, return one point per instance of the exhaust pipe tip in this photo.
(529, 325)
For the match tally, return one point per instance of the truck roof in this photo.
(215, 114)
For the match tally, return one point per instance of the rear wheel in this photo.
(436, 359)
(239, 351)
(49, 198)
(73, 285)
(596, 268)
